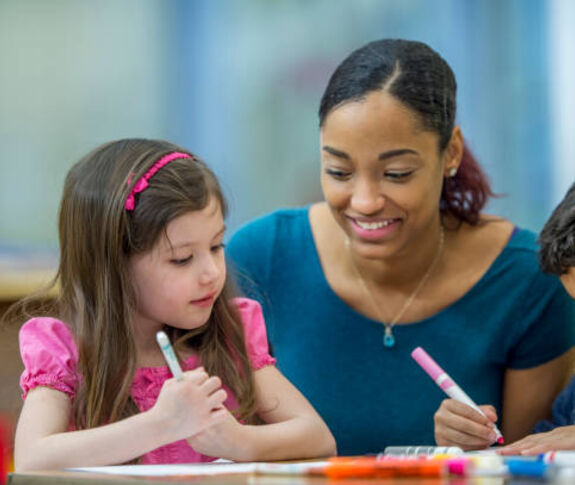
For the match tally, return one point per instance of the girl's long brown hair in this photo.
(96, 297)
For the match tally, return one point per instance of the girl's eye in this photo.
(337, 174)
(181, 262)
(398, 175)
(218, 247)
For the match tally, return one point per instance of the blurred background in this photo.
(239, 83)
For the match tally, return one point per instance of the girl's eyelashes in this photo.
(182, 261)
(218, 247)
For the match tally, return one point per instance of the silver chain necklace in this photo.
(388, 337)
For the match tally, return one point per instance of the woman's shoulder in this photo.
(502, 250)
(254, 242)
(493, 237)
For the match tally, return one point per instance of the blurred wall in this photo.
(239, 82)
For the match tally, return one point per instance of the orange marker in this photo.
(371, 467)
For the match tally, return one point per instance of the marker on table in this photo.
(422, 450)
(447, 384)
(169, 355)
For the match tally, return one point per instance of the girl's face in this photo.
(179, 279)
(382, 174)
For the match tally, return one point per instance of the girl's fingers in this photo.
(217, 399)
(211, 384)
(198, 376)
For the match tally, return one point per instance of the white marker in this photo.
(169, 355)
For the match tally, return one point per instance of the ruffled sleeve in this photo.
(49, 354)
(255, 332)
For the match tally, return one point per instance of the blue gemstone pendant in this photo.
(388, 338)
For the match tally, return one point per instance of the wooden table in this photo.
(72, 478)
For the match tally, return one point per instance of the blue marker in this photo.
(169, 355)
(527, 468)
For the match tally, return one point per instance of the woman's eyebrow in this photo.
(382, 156)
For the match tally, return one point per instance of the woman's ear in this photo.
(453, 153)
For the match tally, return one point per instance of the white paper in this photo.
(171, 470)
(219, 467)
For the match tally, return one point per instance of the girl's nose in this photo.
(210, 271)
(367, 197)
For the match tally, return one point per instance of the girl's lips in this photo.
(204, 302)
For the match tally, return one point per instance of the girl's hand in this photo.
(457, 424)
(189, 406)
(223, 440)
(562, 438)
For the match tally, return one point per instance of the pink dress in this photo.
(50, 357)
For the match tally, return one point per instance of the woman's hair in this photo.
(557, 238)
(420, 78)
(98, 235)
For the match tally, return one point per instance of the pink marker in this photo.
(442, 379)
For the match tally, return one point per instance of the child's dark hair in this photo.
(98, 235)
(420, 78)
(557, 238)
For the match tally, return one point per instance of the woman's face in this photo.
(381, 174)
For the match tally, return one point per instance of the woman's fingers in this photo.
(460, 425)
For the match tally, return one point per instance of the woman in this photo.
(399, 256)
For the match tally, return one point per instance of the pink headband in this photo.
(142, 183)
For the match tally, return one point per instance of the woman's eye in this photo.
(398, 175)
(337, 174)
(182, 261)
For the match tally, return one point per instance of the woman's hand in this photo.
(457, 424)
(227, 439)
(190, 405)
(562, 438)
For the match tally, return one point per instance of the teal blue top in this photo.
(372, 396)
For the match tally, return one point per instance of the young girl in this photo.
(141, 229)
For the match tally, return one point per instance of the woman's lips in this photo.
(373, 229)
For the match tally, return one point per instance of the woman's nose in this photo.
(367, 197)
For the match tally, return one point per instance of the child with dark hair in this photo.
(556, 256)
(401, 254)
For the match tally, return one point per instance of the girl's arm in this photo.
(527, 398)
(293, 429)
(43, 441)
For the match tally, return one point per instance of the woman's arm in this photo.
(293, 429)
(528, 394)
(183, 408)
(527, 398)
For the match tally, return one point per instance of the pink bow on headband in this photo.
(142, 183)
